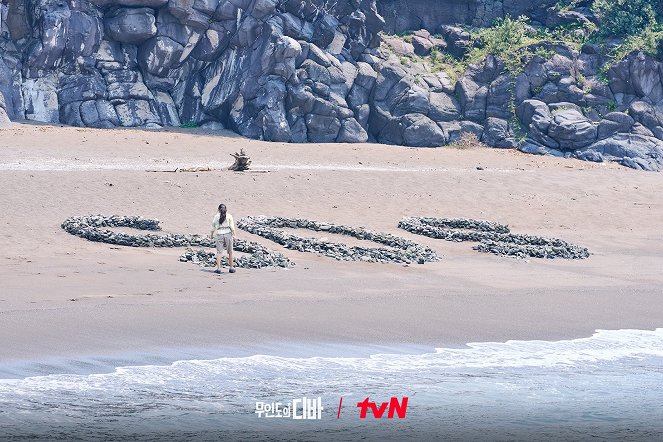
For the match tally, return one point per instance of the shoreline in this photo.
(84, 365)
(139, 344)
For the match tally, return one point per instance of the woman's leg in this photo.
(219, 251)
(231, 261)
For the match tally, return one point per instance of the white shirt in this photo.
(228, 225)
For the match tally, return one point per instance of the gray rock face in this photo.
(560, 118)
(498, 134)
(158, 62)
(613, 123)
(571, 129)
(458, 40)
(4, 118)
(632, 150)
(128, 25)
(130, 3)
(408, 111)
(481, 91)
(315, 71)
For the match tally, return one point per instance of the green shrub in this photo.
(445, 62)
(506, 36)
(189, 125)
(624, 17)
(645, 41)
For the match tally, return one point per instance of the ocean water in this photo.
(605, 387)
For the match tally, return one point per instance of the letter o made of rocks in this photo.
(401, 250)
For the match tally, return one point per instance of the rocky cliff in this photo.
(319, 71)
(275, 70)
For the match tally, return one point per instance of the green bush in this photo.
(508, 39)
(505, 36)
(624, 17)
(646, 41)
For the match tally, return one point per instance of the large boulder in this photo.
(129, 25)
(421, 131)
(497, 133)
(458, 40)
(632, 150)
(571, 129)
(613, 123)
(443, 107)
(579, 18)
(646, 114)
(529, 109)
(159, 55)
(424, 42)
(84, 32)
(472, 97)
(645, 77)
(4, 118)
(98, 113)
(483, 84)
(352, 132)
(322, 128)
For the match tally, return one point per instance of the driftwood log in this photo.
(242, 161)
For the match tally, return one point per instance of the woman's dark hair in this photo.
(222, 213)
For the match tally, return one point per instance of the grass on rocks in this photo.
(626, 26)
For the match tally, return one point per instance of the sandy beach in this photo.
(64, 297)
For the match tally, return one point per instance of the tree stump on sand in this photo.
(242, 161)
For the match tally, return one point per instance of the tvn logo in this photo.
(393, 408)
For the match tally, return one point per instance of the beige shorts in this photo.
(224, 242)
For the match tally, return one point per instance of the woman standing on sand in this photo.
(223, 226)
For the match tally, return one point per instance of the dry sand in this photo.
(65, 297)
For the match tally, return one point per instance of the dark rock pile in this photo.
(95, 228)
(404, 251)
(493, 238)
(257, 257)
